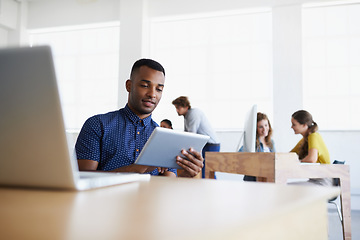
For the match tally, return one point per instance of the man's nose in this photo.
(152, 92)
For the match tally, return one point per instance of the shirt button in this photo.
(138, 133)
(137, 150)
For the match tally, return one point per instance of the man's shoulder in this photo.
(108, 115)
(111, 114)
(194, 111)
(105, 117)
(153, 123)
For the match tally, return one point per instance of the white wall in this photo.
(54, 13)
(160, 8)
(8, 20)
(8, 13)
(287, 71)
(3, 37)
(13, 23)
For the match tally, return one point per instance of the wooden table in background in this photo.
(278, 168)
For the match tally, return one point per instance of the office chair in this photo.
(336, 182)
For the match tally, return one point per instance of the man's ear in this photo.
(128, 85)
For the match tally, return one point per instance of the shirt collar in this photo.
(134, 118)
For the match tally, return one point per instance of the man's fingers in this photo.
(189, 170)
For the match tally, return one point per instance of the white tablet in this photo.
(165, 144)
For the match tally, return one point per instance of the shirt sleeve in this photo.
(89, 140)
(172, 170)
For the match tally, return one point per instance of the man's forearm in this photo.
(128, 168)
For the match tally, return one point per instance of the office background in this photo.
(283, 55)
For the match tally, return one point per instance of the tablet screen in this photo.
(165, 144)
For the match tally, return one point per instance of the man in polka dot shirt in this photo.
(113, 141)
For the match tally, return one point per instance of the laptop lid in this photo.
(33, 146)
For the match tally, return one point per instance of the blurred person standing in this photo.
(195, 121)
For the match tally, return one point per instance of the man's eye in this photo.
(159, 90)
(144, 85)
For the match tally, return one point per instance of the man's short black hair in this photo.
(147, 62)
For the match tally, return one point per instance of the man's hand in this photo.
(192, 162)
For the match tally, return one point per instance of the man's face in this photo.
(145, 90)
(181, 110)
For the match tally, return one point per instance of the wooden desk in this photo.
(165, 208)
(278, 168)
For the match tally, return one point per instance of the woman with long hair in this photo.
(311, 148)
(264, 142)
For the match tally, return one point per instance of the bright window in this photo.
(331, 62)
(223, 63)
(86, 62)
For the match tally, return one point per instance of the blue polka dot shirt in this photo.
(114, 139)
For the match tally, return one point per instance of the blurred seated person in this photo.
(166, 123)
(311, 148)
(264, 142)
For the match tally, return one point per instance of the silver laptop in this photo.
(33, 147)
